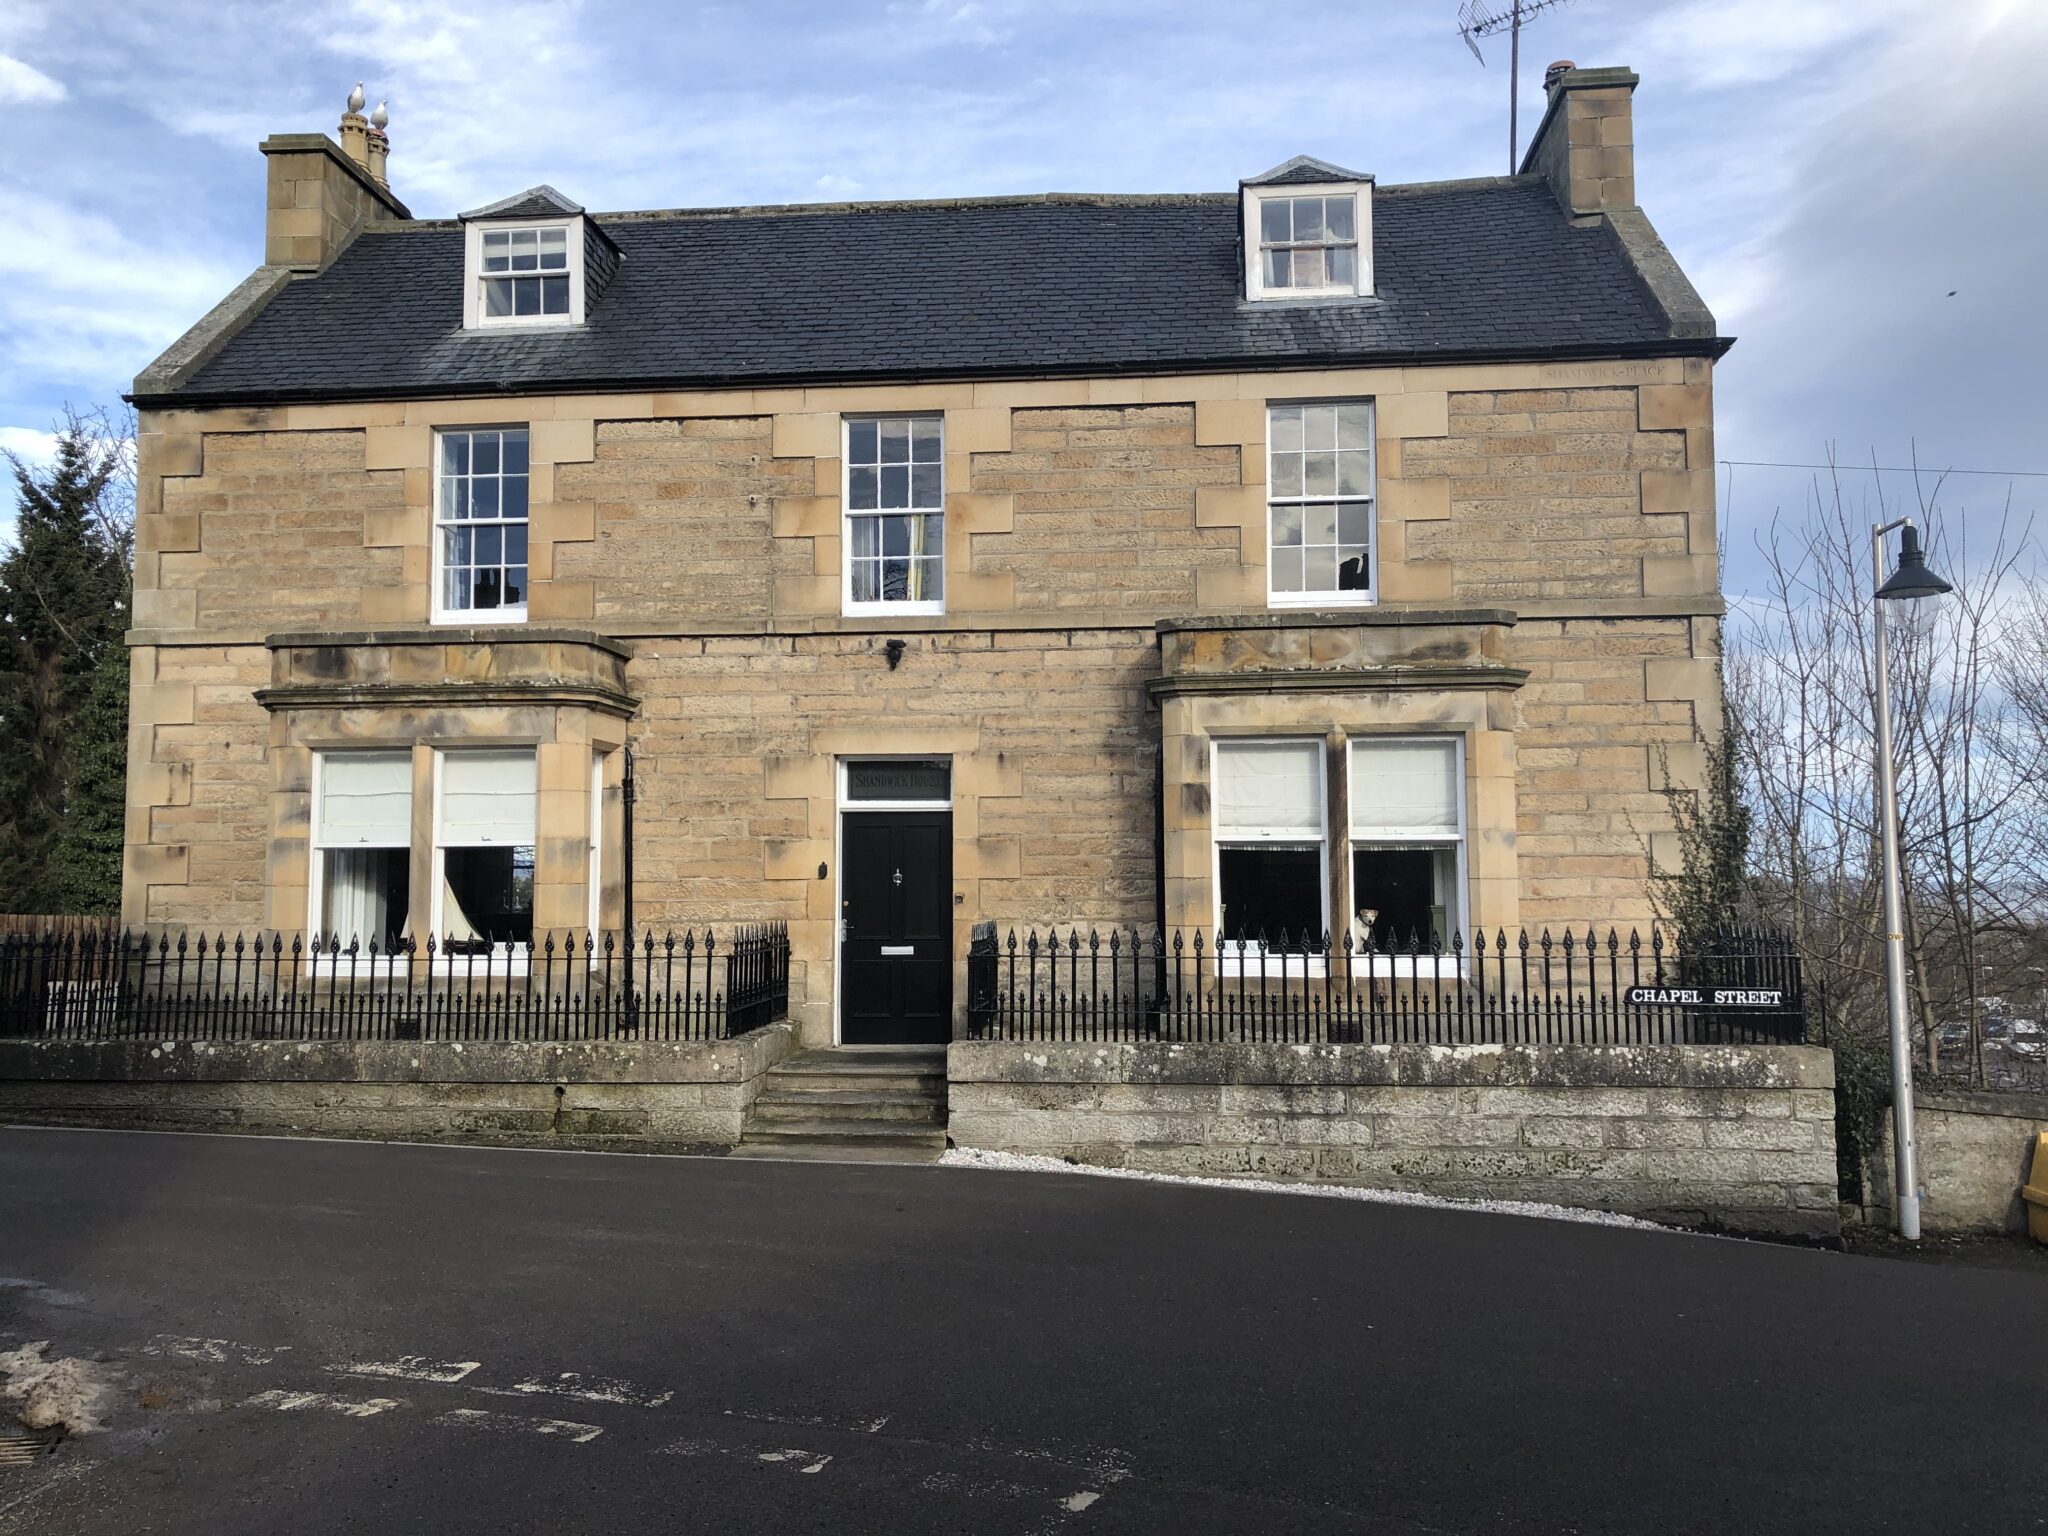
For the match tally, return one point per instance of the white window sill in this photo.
(884, 610)
(525, 323)
(1306, 295)
(1322, 599)
(1413, 967)
(480, 618)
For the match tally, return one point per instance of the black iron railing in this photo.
(1736, 986)
(696, 985)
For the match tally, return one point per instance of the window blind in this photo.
(1405, 788)
(1269, 789)
(487, 798)
(365, 800)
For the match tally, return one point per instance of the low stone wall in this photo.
(1975, 1153)
(648, 1095)
(1736, 1137)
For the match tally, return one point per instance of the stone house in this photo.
(1314, 557)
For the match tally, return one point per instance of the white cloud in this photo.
(30, 443)
(86, 303)
(23, 85)
(1722, 43)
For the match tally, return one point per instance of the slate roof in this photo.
(1304, 169)
(541, 202)
(1072, 285)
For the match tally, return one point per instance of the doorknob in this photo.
(896, 878)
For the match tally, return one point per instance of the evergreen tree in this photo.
(86, 872)
(1711, 887)
(64, 585)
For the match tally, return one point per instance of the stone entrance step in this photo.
(861, 1103)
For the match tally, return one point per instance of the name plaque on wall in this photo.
(1704, 997)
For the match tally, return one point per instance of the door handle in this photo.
(899, 949)
(896, 878)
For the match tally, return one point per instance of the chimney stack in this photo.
(1585, 146)
(380, 145)
(321, 193)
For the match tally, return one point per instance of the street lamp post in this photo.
(1911, 580)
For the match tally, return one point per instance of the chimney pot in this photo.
(355, 129)
(1555, 73)
(380, 147)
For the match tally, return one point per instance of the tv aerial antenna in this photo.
(1490, 18)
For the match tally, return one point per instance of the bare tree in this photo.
(1801, 678)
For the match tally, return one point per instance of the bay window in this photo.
(1270, 840)
(362, 848)
(1407, 841)
(484, 837)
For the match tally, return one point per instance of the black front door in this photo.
(896, 927)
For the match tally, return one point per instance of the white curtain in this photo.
(1269, 788)
(487, 798)
(356, 901)
(1405, 788)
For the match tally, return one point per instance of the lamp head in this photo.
(1912, 578)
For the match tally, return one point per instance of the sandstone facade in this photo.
(1547, 590)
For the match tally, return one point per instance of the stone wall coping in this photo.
(1421, 1066)
(397, 1061)
(1980, 1101)
(450, 695)
(1339, 618)
(497, 634)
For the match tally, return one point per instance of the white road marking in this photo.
(292, 1402)
(513, 1423)
(817, 1462)
(811, 1421)
(212, 1351)
(1080, 1501)
(814, 1461)
(587, 1389)
(408, 1368)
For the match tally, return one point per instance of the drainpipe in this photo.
(626, 813)
(626, 873)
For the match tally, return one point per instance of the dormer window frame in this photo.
(475, 317)
(1256, 196)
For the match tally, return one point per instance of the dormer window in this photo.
(1309, 242)
(1308, 232)
(532, 260)
(525, 272)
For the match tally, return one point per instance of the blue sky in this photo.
(1830, 172)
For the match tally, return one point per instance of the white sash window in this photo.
(1407, 841)
(484, 837)
(362, 848)
(1271, 835)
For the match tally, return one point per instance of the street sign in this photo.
(1704, 997)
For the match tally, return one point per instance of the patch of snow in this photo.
(1019, 1162)
(65, 1392)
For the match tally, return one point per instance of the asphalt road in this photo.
(323, 1337)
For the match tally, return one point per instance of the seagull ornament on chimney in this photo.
(355, 98)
